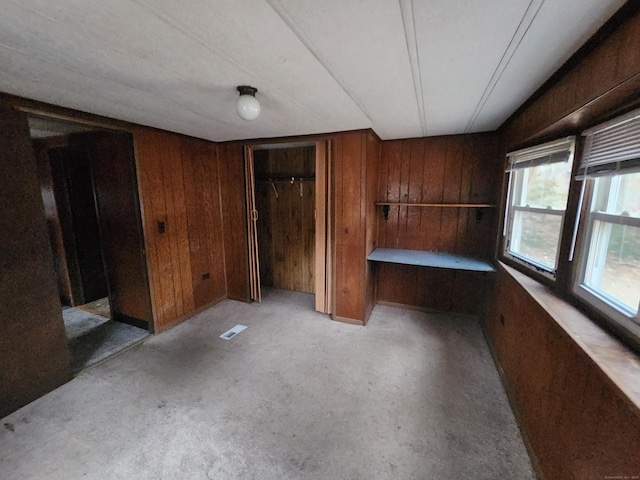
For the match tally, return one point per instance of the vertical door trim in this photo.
(252, 230)
(320, 226)
(323, 233)
(328, 254)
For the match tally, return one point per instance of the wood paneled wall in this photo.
(234, 216)
(204, 221)
(577, 422)
(593, 84)
(284, 162)
(286, 223)
(450, 169)
(34, 356)
(180, 193)
(116, 195)
(82, 232)
(355, 164)
(55, 201)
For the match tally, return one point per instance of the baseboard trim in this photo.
(407, 307)
(350, 321)
(136, 322)
(173, 323)
(416, 308)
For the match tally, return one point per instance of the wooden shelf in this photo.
(386, 206)
(421, 258)
(439, 205)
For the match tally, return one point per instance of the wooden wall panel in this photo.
(578, 424)
(204, 220)
(34, 354)
(116, 193)
(65, 223)
(179, 187)
(356, 163)
(435, 150)
(85, 245)
(176, 225)
(193, 178)
(212, 219)
(51, 192)
(232, 190)
(452, 169)
(350, 210)
(150, 147)
(594, 83)
(286, 223)
(151, 201)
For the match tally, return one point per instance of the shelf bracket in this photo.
(479, 214)
(385, 211)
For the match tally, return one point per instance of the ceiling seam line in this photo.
(495, 78)
(297, 31)
(489, 88)
(416, 74)
(207, 46)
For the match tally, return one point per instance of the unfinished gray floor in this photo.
(295, 396)
(92, 338)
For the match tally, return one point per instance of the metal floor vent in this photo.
(229, 334)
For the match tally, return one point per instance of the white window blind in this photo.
(551, 152)
(612, 147)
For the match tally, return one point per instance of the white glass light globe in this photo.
(248, 107)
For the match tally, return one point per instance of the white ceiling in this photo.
(405, 68)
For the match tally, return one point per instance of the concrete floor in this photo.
(295, 396)
(93, 338)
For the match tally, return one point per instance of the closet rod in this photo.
(285, 179)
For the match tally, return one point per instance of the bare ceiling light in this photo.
(247, 105)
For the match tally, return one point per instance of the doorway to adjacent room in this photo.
(89, 191)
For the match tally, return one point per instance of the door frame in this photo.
(69, 142)
(324, 278)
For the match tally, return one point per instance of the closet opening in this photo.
(89, 191)
(287, 219)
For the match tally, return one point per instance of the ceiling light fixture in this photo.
(247, 105)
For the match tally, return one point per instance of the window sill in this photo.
(619, 363)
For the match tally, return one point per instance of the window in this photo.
(608, 274)
(539, 180)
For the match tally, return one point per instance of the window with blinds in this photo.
(539, 180)
(612, 147)
(608, 268)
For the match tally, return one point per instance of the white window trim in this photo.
(612, 149)
(510, 221)
(514, 238)
(607, 305)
